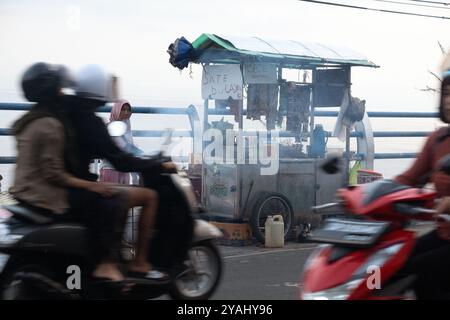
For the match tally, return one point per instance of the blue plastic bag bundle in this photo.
(181, 53)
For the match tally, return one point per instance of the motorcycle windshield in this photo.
(381, 188)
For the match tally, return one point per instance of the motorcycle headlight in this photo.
(6, 237)
(3, 260)
(314, 255)
(341, 292)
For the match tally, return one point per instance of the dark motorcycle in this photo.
(40, 256)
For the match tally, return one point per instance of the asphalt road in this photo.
(258, 273)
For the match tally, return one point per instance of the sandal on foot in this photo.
(150, 275)
(117, 288)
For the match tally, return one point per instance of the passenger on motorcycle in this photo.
(431, 257)
(93, 87)
(41, 180)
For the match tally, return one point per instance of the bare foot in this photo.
(139, 266)
(108, 270)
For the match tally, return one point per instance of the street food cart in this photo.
(244, 77)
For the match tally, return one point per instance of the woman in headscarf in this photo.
(121, 111)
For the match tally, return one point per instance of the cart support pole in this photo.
(205, 124)
(346, 156)
(240, 208)
(311, 122)
(347, 134)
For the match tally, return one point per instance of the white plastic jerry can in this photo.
(268, 231)
(274, 232)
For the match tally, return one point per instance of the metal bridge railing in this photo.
(363, 131)
(190, 112)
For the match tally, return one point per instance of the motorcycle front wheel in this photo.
(14, 287)
(201, 273)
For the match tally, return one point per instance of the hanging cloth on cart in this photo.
(220, 104)
(253, 102)
(303, 96)
(235, 106)
(232, 105)
(262, 100)
(295, 105)
(352, 110)
(282, 109)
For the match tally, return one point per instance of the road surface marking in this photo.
(268, 252)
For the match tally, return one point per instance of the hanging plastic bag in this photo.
(181, 53)
(339, 128)
(351, 111)
(355, 111)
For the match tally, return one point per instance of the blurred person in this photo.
(94, 142)
(430, 260)
(41, 181)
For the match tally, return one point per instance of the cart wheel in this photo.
(269, 204)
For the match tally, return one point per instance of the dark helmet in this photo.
(43, 81)
(445, 82)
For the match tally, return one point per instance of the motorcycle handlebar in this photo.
(413, 210)
(400, 207)
(158, 158)
(325, 206)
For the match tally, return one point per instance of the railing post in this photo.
(196, 130)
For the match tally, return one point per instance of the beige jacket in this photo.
(40, 176)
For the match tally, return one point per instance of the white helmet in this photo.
(94, 83)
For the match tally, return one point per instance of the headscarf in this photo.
(115, 115)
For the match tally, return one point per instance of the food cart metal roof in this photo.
(213, 48)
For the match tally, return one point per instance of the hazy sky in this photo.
(131, 38)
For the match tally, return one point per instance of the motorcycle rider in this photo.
(41, 181)
(430, 260)
(93, 88)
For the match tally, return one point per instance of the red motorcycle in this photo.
(367, 246)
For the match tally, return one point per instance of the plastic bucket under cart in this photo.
(366, 176)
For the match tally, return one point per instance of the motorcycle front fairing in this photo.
(174, 225)
(347, 276)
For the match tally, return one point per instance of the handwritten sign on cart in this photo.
(260, 73)
(222, 82)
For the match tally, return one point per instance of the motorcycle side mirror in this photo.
(168, 137)
(332, 165)
(117, 128)
(444, 164)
